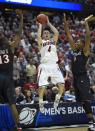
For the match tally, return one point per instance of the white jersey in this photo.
(48, 52)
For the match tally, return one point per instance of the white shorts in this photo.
(49, 70)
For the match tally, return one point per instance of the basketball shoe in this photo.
(16, 129)
(41, 105)
(91, 127)
(57, 100)
(19, 129)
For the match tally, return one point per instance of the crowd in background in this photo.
(89, 4)
(80, 1)
(27, 56)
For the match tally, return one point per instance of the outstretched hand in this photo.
(87, 19)
(19, 12)
(64, 18)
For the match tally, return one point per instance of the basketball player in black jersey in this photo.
(81, 81)
(7, 90)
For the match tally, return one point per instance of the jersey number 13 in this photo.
(4, 59)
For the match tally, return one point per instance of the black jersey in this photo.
(78, 65)
(6, 59)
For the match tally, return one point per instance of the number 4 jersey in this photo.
(6, 59)
(48, 52)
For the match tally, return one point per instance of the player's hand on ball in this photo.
(39, 24)
(42, 19)
(48, 20)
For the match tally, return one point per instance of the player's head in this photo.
(79, 44)
(31, 61)
(46, 34)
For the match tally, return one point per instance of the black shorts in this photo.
(81, 85)
(7, 90)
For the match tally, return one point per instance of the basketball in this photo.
(42, 19)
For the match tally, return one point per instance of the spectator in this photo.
(20, 98)
(23, 62)
(25, 44)
(31, 71)
(28, 97)
(16, 71)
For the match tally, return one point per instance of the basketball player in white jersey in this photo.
(48, 67)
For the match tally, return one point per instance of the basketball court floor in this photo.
(66, 129)
(69, 129)
(81, 128)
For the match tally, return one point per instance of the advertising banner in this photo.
(52, 4)
(66, 114)
(30, 117)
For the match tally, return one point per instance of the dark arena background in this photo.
(70, 115)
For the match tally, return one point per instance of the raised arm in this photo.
(39, 38)
(54, 30)
(69, 36)
(87, 36)
(17, 37)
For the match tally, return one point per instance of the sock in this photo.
(58, 96)
(91, 118)
(40, 100)
(41, 105)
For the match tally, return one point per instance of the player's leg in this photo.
(59, 95)
(89, 113)
(16, 117)
(1, 88)
(86, 100)
(57, 78)
(41, 96)
(1, 99)
(42, 83)
(12, 103)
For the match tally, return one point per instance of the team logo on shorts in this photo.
(27, 116)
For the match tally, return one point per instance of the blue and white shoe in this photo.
(56, 103)
(41, 107)
(91, 127)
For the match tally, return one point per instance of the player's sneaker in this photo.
(91, 127)
(56, 103)
(19, 129)
(41, 107)
(57, 100)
